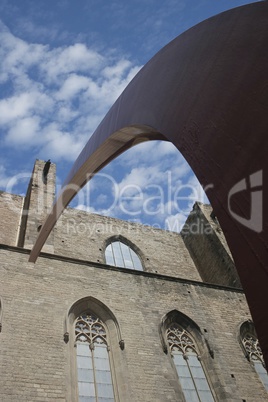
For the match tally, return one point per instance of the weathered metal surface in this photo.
(207, 93)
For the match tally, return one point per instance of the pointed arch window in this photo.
(189, 368)
(255, 356)
(93, 364)
(120, 254)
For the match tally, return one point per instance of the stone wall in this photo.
(10, 217)
(208, 248)
(37, 365)
(37, 353)
(84, 236)
(38, 201)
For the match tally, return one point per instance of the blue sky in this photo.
(63, 64)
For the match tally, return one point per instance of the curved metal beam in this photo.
(207, 93)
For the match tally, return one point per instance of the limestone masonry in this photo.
(188, 282)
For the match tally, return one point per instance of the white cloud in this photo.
(52, 101)
(14, 183)
(175, 223)
(159, 152)
(65, 114)
(25, 130)
(197, 192)
(17, 106)
(59, 144)
(18, 56)
(74, 58)
(56, 97)
(117, 70)
(72, 86)
(140, 178)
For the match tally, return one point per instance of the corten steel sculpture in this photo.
(207, 93)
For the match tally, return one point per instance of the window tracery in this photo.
(90, 328)
(178, 339)
(252, 347)
(254, 355)
(190, 371)
(93, 364)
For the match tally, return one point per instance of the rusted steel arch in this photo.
(207, 93)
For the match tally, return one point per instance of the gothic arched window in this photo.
(120, 254)
(93, 364)
(253, 352)
(190, 371)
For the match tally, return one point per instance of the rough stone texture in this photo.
(10, 217)
(213, 221)
(38, 201)
(35, 361)
(36, 364)
(90, 233)
(208, 247)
